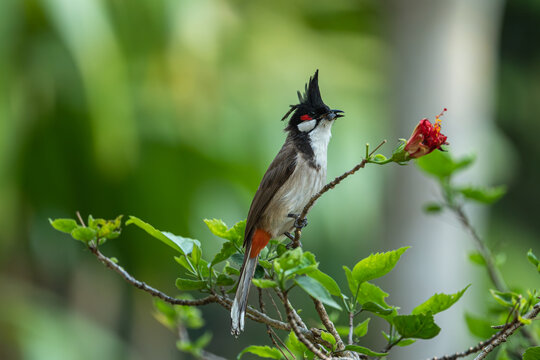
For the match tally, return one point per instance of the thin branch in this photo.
(351, 327)
(269, 331)
(297, 331)
(275, 306)
(329, 325)
(469, 351)
(493, 272)
(391, 345)
(251, 313)
(143, 286)
(488, 345)
(80, 219)
(297, 317)
(504, 334)
(327, 187)
(213, 298)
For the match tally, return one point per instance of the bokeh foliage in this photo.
(170, 110)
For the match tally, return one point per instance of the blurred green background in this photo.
(169, 110)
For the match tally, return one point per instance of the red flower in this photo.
(425, 138)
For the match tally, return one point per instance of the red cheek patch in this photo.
(305, 117)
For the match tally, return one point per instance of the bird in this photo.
(296, 174)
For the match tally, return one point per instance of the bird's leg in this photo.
(298, 223)
(293, 244)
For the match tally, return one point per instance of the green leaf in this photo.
(483, 195)
(288, 260)
(506, 299)
(439, 302)
(108, 229)
(353, 285)
(219, 228)
(295, 262)
(165, 314)
(502, 354)
(532, 353)
(328, 337)
(227, 250)
(262, 351)
(229, 270)
(64, 225)
(294, 344)
(187, 284)
(364, 350)
(433, 208)
(84, 234)
(362, 328)
(442, 165)
(179, 243)
(203, 340)
(259, 272)
(419, 326)
(533, 259)
(196, 254)
(376, 265)
(369, 292)
(406, 342)
(376, 308)
(476, 258)
(316, 290)
(479, 326)
(237, 258)
(186, 263)
(224, 280)
(326, 281)
(264, 283)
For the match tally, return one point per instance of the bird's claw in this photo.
(298, 223)
(293, 245)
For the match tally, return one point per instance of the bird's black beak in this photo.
(334, 114)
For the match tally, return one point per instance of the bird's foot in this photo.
(294, 243)
(298, 223)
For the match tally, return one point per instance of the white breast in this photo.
(305, 181)
(319, 141)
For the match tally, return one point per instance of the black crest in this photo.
(310, 102)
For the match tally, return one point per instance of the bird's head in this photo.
(311, 112)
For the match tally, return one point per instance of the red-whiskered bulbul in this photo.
(297, 173)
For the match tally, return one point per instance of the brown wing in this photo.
(278, 172)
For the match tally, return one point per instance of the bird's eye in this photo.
(305, 117)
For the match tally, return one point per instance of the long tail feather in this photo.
(238, 309)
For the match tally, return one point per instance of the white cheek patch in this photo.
(307, 125)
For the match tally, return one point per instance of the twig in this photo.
(297, 317)
(351, 327)
(391, 345)
(251, 313)
(143, 286)
(329, 186)
(213, 298)
(495, 340)
(275, 306)
(469, 351)
(329, 325)
(80, 219)
(504, 334)
(292, 321)
(493, 272)
(269, 331)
